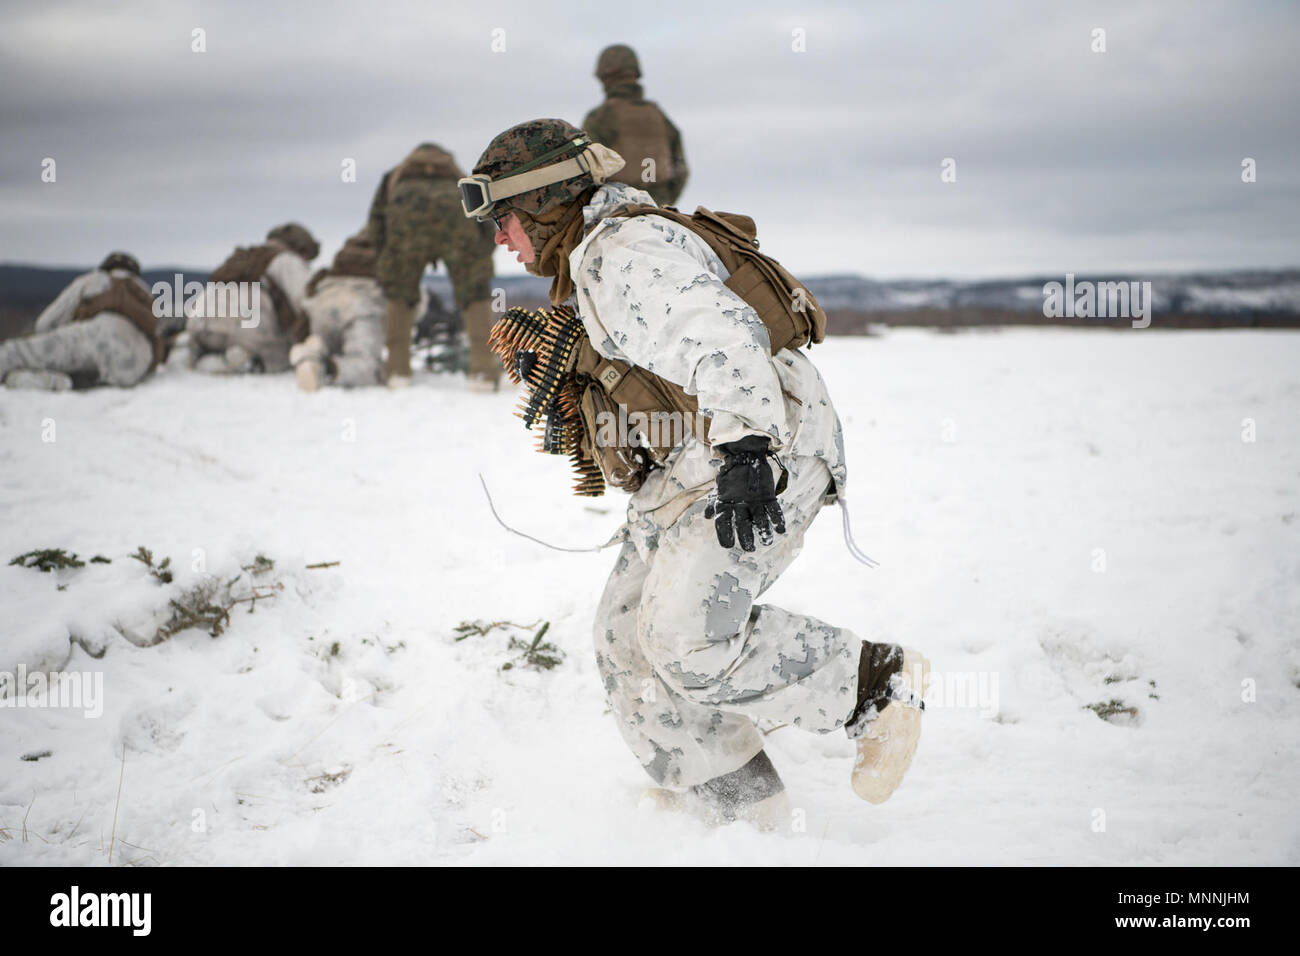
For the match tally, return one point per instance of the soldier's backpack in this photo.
(128, 298)
(637, 128)
(426, 161)
(249, 264)
(785, 305)
(576, 394)
(358, 258)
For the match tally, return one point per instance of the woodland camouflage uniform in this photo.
(416, 220)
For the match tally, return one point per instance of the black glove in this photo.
(746, 495)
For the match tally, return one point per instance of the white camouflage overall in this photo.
(347, 314)
(226, 342)
(107, 349)
(688, 656)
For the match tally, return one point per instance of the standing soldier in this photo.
(346, 308)
(689, 658)
(637, 129)
(101, 330)
(272, 277)
(415, 220)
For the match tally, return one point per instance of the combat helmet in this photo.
(120, 260)
(297, 238)
(535, 167)
(617, 64)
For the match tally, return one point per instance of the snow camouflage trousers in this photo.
(105, 350)
(690, 660)
(347, 312)
(226, 338)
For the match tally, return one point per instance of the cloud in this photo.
(1065, 157)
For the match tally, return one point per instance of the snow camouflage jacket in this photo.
(650, 292)
(85, 286)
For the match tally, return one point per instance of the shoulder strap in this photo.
(293, 321)
(721, 239)
(784, 304)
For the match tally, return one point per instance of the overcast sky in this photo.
(1066, 159)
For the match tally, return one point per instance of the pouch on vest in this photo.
(632, 417)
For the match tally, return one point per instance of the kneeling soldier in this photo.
(225, 335)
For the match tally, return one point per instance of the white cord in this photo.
(848, 536)
(545, 544)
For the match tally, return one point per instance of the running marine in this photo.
(690, 660)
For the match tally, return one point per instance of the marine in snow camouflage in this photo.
(107, 349)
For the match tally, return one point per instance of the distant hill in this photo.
(26, 290)
(854, 303)
(34, 286)
(1227, 293)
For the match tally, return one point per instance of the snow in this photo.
(341, 722)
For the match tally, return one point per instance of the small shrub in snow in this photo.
(1111, 709)
(50, 559)
(207, 605)
(478, 628)
(261, 565)
(329, 779)
(540, 654)
(162, 571)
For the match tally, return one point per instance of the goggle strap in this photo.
(534, 179)
(577, 141)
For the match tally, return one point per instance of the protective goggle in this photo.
(479, 193)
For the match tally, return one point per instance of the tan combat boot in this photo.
(886, 747)
(484, 368)
(38, 379)
(308, 361)
(398, 319)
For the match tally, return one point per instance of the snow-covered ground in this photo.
(1063, 518)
